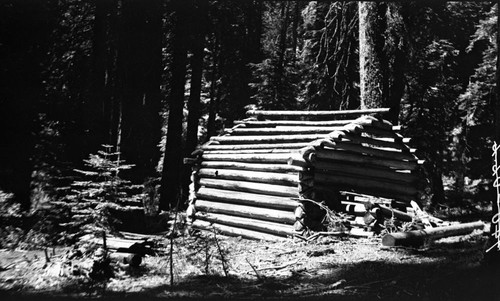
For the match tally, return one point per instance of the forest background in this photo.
(153, 79)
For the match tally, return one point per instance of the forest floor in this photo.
(329, 267)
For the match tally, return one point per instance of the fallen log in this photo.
(233, 231)
(273, 215)
(247, 223)
(251, 158)
(266, 139)
(416, 238)
(365, 171)
(281, 168)
(253, 187)
(368, 160)
(253, 176)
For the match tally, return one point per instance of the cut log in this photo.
(133, 260)
(365, 171)
(273, 215)
(416, 238)
(255, 146)
(394, 154)
(246, 198)
(315, 113)
(253, 187)
(252, 158)
(362, 159)
(281, 168)
(353, 181)
(247, 223)
(285, 131)
(400, 215)
(266, 139)
(233, 231)
(270, 123)
(253, 176)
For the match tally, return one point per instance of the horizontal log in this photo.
(255, 146)
(270, 150)
(363, 159)
(315, 113)
(253, 176)
(370, 141)
(251, 158)
(353, 181)
(273, 215)
(285, 130)
(393, 154)
(266, 139)
(298, 162)
(366, 191)
(246, 198)
(416, 238)
(383, 133)
(253, 187)
(400, 215)
(270, 123)
(133, 260)
(376, 123)
(366, 171)
(233, 231)
(248, 223)
(280, 168)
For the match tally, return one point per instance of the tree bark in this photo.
(373, 82)
(172, 162)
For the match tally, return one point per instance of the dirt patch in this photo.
(344, 268)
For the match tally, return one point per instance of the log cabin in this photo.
(257, 179)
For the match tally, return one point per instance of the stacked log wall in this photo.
(243, 183)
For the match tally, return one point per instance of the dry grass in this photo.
(347, 269)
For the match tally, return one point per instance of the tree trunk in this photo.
(213, 106)
(196, 77)
(172, 162)
(397, 61)
(25, 28)
(141, 60)
(373, 83)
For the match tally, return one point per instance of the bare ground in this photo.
(328, 268)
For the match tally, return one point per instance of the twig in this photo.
(279, 267)
(223, 260)
(171, 254)
(253, 268)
